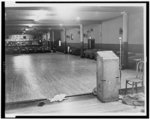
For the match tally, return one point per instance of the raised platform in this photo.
(85, 105)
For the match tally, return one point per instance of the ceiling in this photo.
(38, 18)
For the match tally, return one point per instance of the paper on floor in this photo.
(59, 98)
(134, 99)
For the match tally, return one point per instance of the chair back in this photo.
(140, 70)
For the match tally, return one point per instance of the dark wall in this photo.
(137, 48)
(57, 35)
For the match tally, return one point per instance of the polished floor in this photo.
(37, 76)
(40, 76)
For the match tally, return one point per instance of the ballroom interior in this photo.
(83, 53)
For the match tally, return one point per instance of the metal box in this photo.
(108, 76)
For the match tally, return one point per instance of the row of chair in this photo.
(17, 50)
(90, 53)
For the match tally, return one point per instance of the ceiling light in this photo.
(61, 25)
(30, 25)
(124, 12)
(26, 29)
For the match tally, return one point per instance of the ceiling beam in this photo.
(51, 23)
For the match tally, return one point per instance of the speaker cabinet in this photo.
(108, 76)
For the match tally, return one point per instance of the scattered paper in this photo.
(58, 98)
(134, 99)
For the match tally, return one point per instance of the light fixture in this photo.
(26, 29)
(60, 25)
(30, 25)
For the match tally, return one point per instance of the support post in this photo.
(65, 47)
(81, 39)
(51, 40)
(47, 40)
(125, 41)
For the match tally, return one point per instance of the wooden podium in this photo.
(108, 76)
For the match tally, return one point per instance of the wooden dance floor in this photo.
(38, 76)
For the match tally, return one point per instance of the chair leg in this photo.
(132, 87)
(126, 87)
(136, 87)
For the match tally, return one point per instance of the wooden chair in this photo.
(134, 81)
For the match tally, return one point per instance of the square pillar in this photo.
(81, 40)
(125, 41)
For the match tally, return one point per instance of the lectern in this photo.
(108, 76)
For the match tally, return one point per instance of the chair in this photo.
(134, 81)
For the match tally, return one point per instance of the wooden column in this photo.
(47, 39)
(51, 40)
(65, 45)
(81, 40)
(125, 41)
